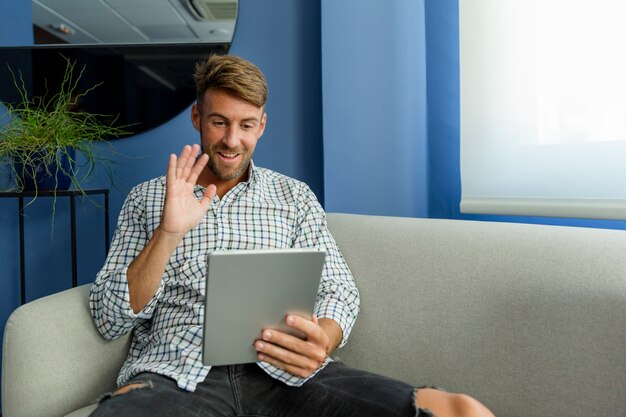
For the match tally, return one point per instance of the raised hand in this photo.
(181, 210)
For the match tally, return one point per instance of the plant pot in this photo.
(35, 176)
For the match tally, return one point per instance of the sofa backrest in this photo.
(529, 319)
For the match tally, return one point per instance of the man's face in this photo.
(229, 130)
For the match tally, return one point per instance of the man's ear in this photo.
(262, 124)
(195, 116)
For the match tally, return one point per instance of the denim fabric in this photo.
(245, 390)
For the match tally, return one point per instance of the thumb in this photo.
(209, 195)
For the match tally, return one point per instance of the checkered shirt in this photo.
(268, 211)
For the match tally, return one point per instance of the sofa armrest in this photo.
(54, 360)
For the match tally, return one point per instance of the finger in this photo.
(284, 359)
(191, 161)
(311, 350)
(280, 354)
(311, 329)
(198, 166)
(209, 195)
(293, 370)
(171, 170)
(182, 160)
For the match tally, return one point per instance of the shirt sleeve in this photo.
(338, 296)
(109, 298)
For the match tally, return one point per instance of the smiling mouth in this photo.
(228, 156)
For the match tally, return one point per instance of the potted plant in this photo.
(40, 137)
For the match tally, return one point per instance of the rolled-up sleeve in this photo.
(338, 296)
(109, 298)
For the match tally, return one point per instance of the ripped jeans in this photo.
(245, 390)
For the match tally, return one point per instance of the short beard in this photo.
(225, 176)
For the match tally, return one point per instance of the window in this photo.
(543, 107)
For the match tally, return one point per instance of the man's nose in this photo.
(232, 136)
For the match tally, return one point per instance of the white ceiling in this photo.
(135, 21)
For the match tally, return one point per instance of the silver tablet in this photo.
(251, 290)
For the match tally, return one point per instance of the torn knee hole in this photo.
(420, 411)
(132, 387)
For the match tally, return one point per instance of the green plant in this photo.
(40, 132)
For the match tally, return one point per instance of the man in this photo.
(153, 281)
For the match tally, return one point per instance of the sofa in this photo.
(529, 319)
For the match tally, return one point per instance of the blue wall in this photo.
(374, 83)
(443, 97)
(16, 20)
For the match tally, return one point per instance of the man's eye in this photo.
(247, 126)
(219, 123)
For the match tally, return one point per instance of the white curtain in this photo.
(543, 107)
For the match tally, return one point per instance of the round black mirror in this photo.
(140, 53)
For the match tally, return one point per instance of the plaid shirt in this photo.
(268, 211)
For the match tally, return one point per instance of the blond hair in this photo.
(238, 76)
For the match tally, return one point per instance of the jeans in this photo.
(245, 390)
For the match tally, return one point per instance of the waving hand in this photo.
(182, 211)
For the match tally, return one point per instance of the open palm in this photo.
(182, 211)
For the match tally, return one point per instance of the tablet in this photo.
(251, 290)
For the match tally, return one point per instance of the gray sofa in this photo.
(529, 319)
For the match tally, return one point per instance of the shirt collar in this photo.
(252, 187)
(253, 174)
